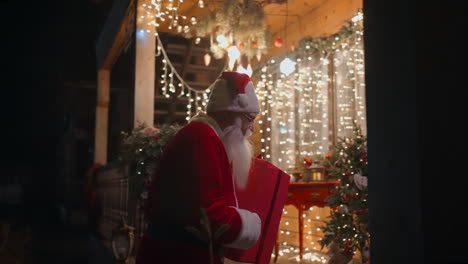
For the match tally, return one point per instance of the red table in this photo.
(303, 196)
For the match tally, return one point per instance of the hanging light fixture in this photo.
(234, 54)
(249, 70)
(287, 66)
(222, 41)
(259, 55)
(241, 69)
(207, 59)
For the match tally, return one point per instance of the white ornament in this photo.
(360, 181)
(292, 178)
(343, 209)
(366, 252)
(207, 58)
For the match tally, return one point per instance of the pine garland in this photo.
(308, 46)
(141, 150)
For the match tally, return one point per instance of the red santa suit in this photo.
(194, 172)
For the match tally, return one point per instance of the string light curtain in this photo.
(350, 86)
(303, 113)
(294, 112)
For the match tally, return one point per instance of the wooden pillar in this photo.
(102, 110)
(144, 66)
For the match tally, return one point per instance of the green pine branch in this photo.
(205, 234)
(347, 225)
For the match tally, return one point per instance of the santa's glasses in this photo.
(250, 118)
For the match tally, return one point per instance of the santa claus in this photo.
(192, 209)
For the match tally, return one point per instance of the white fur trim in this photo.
(243, 100)
(223, 98)
(250, 230)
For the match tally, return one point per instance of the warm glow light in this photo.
(233, 54)
(287, 66)
(207, 59)
(201, 4)
(358, 17)
(247, 71)
(222, 41)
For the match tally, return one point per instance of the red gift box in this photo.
(264, 194)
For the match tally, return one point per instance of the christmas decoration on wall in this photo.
(305, 109)
(347, 228)
(141, 149)
(236, 29)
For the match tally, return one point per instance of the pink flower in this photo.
(151, 131)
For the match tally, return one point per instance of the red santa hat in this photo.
(234, 92)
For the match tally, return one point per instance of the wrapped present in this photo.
(264, 194)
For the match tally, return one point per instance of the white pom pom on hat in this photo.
(233, 91)
(243, 100)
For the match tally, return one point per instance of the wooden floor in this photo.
(292, 257)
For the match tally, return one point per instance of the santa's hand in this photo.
(250, 230)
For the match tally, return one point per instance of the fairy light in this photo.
(168, 10)
(311, 81)
(168, 89)
(201, 4)
(296, 109)
(154, 13)
(351, 90)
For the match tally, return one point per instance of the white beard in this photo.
(239, 151)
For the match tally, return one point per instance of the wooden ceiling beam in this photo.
(116, 33)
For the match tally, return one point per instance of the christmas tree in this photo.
(347, 229)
